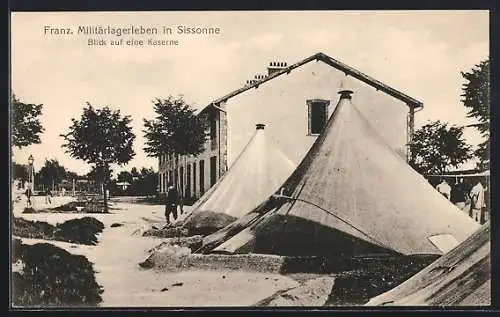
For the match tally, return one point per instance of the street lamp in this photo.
(31, 172)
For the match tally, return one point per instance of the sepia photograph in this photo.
(183, 159)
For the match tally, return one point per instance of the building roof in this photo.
(351, 195)
(411, 102)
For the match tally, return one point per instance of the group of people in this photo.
(466, 198)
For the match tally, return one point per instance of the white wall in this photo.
(281, 105)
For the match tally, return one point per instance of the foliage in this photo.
(101, 137)
(99, 174)
(175, 129)
(142, 183)
(19, 172)
(26, 125)
(52, 173)
(436, 146)
(72, 175)
(81, 230)
(476, 98)
(53, 277)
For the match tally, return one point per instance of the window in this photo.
(202, 177)
(188, 180)
(317, 115)
(194, 179)
(213, 130)
(181, 173)
(160, 178)
(175, 179)
(213, 170)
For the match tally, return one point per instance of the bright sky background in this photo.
(420, 53)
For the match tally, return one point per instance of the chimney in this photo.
(260, 126)
(275, 67)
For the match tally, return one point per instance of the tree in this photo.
(147, 182)
(436, 146)
(101, 137)
(98, 175)
(125, 176)
(51, 174)
(175, 129)
(141, 183)
(26, 125)
(20, 173)
(476, 98)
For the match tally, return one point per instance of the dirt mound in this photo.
(206, 222)
(29, 210)
(88, 207)
(83, 230)
(32, 229)
(71, 206)
(50, 276)
(356, 287)
(166, 232)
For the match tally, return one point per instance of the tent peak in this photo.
(260, 126)
(346, 94)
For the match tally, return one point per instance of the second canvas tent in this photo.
(256, 173)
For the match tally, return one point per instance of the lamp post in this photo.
(31, 173)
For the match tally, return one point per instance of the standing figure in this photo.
(477, 201)
(171, 203)
(29, 194)
(444, 188)
(458, 194)
(48, 195)
(181, 204)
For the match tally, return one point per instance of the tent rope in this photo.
(379, 243)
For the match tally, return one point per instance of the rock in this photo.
(178, 284)
(166, 232)
(140, 231)
(116, 225)
(313, 292)
(192, 243)
(167, 257)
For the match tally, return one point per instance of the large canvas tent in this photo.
(257, 173)
(350, 195)
(462, 277)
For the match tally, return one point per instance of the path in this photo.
(118, 253)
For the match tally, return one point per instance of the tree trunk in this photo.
(105, 188)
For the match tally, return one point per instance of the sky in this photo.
(420, 53)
